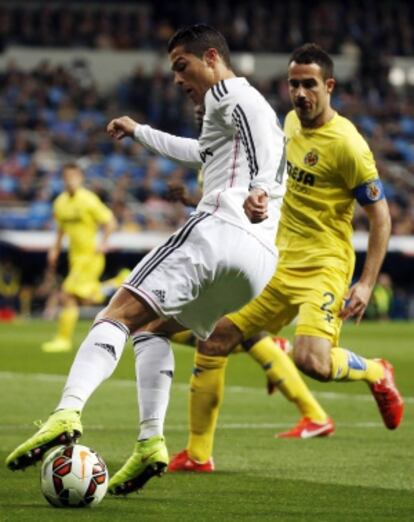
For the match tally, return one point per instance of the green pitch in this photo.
(363, 473)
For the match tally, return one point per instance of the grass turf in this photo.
(363, 473)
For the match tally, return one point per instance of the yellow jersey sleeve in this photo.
(356, 162)
(100, 213)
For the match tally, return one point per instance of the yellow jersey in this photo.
(325, 165)
(79, 217)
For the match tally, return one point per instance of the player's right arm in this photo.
(54, 251)
(183, 150)
(178, 192)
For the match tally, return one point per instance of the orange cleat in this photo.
(306, 428)
(388, 398)
(183, 462)
(283, 343)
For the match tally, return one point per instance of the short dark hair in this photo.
(197, 39)
(313, 53)
(71, 165)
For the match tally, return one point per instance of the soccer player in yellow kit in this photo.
(330, 166)
(79, 214)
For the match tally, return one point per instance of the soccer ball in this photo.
(73, 476)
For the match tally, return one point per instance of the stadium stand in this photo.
(54, 113)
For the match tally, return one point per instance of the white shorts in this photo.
(205, 270)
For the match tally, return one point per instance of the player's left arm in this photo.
(107, 229)
(379, 233)
(264, 144)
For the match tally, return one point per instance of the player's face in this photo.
(72, 178)
(195, 75)
(309, 93)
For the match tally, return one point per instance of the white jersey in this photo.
(241, 147)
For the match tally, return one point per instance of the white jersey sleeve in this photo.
(183, 150)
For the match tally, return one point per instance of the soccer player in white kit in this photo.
(218, 261)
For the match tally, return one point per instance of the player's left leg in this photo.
(154, 364)
(283, 374)
(318, 354)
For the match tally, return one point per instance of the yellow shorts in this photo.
(315, 296)
(83, 278)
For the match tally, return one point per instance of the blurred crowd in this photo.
(52, 115)
(263, 25)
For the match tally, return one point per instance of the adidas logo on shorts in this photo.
(160, 294)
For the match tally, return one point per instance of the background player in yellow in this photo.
(79, 214)
(329, 166)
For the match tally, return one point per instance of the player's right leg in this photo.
(95, 361)
(271, 311)
(62, 427)
(68, 317)
(81, 284)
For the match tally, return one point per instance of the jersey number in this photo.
(330, 298)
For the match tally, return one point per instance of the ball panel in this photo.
(73, 476)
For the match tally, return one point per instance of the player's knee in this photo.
(312, 362)
(223, 339)
(213, 347)
(126, 309)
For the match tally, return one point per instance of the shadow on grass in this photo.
(234, 496)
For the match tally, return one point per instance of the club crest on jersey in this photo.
(373, 191)
(311, 158)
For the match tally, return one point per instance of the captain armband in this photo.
(369, 193)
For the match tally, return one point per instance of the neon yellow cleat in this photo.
(150, 458)
(57, 345)
(62, 427)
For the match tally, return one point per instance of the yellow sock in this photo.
(67, 322)
(281, 370)
(206, 396)
(187, 337)
(348, 366)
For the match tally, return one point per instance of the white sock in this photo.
(154, 367)
(95, 361)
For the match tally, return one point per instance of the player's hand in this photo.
(102, 248)
(177, 192)
(255, 205)
(118, 128)
(357, 301)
